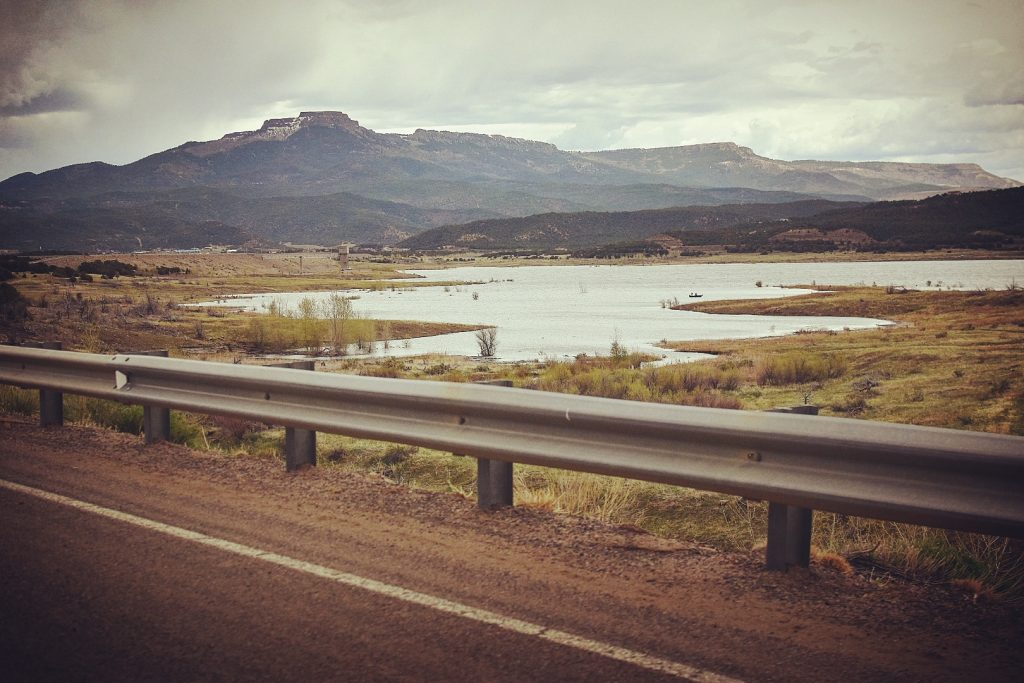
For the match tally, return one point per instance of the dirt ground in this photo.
(719, 611)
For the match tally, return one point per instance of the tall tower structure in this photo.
(343, 251)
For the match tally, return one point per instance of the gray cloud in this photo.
(114, 80)
(56, 100)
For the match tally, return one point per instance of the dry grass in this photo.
(797, 367)
(952, 361)
(832, 561)
(706, 385)
(607, 499)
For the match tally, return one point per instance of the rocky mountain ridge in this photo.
(404, 183)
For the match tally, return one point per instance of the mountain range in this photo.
(321, 177)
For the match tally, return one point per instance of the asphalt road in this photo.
(158, 563)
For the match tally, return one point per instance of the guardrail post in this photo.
(494, 477)
(493, 483)
(51, 402)
(789, 526)
(299, 444)
(789, 536)
(156, 420)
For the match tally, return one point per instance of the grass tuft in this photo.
(833, 561)
(102, 413)
(978, 591)
(625, 378)
(17, 401)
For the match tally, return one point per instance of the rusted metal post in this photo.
(51, 402)
(494, 477)
(299, 444)
(156, 420)
(789, 526)
(299, 448)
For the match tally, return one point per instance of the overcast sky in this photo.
(914, 80)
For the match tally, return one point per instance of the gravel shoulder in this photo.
(684, 602)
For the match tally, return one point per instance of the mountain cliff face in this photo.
(344, 181)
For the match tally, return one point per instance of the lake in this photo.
(557, 312)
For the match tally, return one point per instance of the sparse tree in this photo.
(617, 350)
(365, 333)
(310, 325)
(487, 341)
(338, 311)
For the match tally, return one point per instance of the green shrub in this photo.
(438, 369)
(187, 430)
(108, 269)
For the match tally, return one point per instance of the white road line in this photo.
(621, 654)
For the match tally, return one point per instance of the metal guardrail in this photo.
(944, 478)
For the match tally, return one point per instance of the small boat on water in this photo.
(695, 295)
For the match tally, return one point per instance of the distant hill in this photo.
(990, 219)
(321, 177)
(93, 229)
(588, 229)
(120, 220)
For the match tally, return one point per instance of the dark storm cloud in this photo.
(48, 102)
(926, 80)
(27, 31)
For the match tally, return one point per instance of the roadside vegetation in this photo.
(953, 359)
